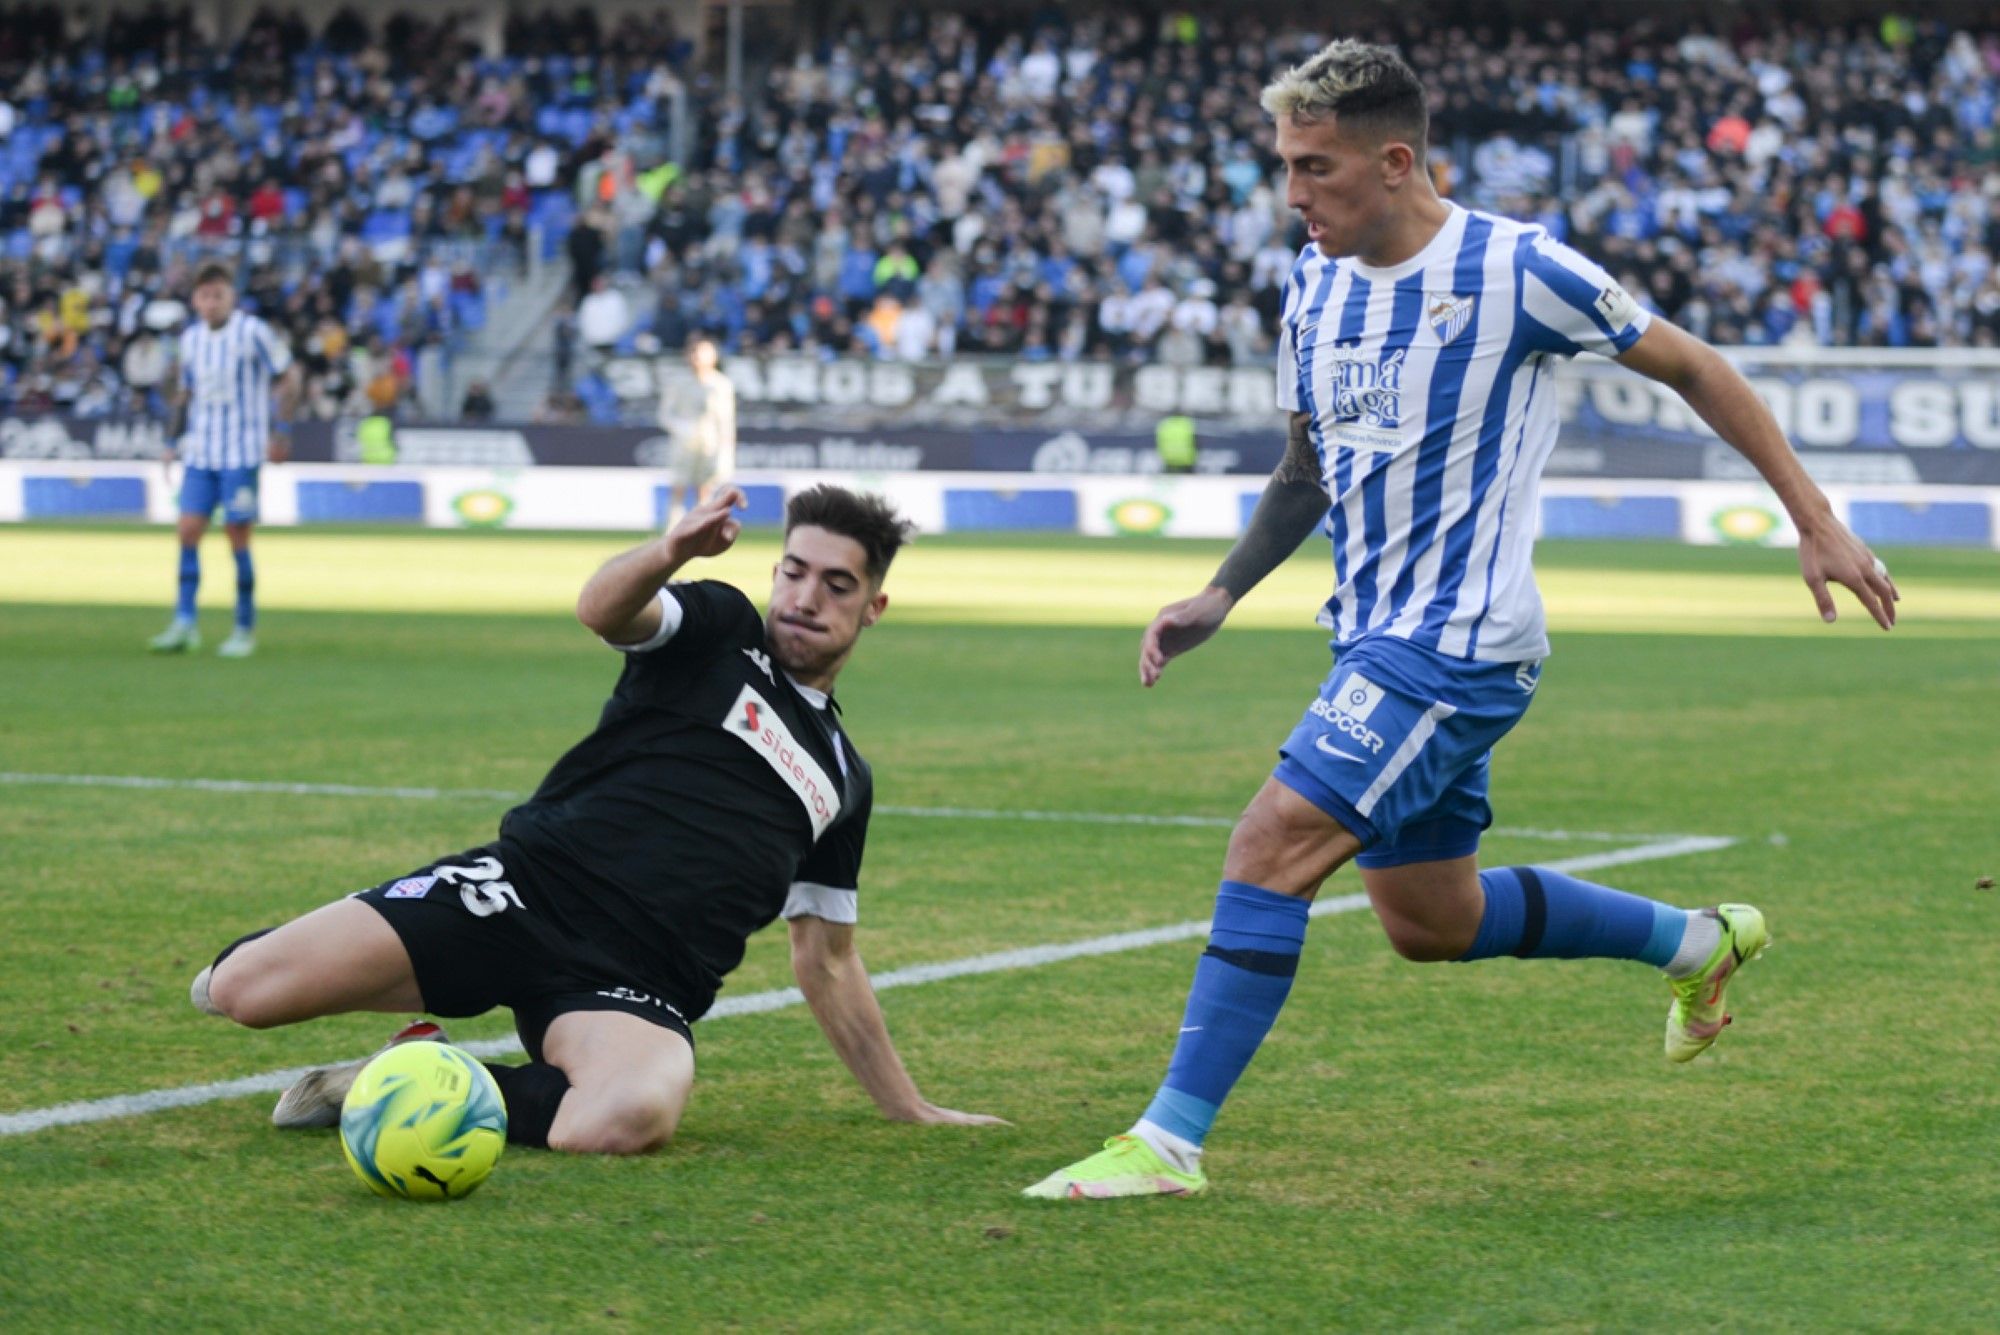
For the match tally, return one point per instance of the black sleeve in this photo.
(835, 860)
(828, 881)
(715, 617)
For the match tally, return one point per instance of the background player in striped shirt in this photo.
(222, 430)
(1415, 359)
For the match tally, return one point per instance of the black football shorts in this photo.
(475, 942)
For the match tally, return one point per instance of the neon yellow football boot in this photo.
(1697, 1016)
(1126, 1166)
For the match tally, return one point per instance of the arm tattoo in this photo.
(1293, 504)
(1301, 461)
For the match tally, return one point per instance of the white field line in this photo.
(285, 789)
(1005, 961)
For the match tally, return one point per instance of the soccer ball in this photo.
(423, 1121)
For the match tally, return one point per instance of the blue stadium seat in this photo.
(385, 225)
(460, 161)
(985, 289)
(552, 208)
(599, 399)
(554, 214)
(468, 310)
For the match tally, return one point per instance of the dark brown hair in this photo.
(213, 273)
(863, 516)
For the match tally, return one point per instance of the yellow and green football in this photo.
(423, 1121)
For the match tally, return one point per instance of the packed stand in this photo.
(1106, 188)
(1101, 188)
(368, 185)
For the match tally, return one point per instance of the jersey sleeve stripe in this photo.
(670, 625)
(825, 902)
(1572, 326)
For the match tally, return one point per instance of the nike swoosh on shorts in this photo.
(1320, 742)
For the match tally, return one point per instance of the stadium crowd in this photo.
(1106, 188)
(1091, 187)
(367, 184)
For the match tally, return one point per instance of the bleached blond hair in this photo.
(1368, 88)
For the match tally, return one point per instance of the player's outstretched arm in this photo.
(836, 986)
(621, 601)
(1829, 553)
(1293, 504)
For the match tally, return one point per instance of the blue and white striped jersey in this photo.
(227, 374)
(1433, 413)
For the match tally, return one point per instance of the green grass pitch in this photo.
(1416, 1147)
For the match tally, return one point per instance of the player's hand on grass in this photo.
(929, 1114)
(1833, 555)
(1180, 627)
(710, 528)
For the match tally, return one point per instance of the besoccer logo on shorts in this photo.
(1357, 698)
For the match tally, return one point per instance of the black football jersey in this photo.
(709, 789)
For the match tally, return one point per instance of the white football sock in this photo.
(1182, 1155)
(1697, 944)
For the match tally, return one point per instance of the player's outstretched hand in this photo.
(929, 1114)
(710, 528)
(1180, 627)
(1836, 556)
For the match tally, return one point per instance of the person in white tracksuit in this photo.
(698, 413)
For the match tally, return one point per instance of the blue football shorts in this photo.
(1397, 744)
(234, 489)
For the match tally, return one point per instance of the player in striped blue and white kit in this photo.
(223, 429)
(1415, 359)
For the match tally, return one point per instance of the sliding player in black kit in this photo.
(717, 793)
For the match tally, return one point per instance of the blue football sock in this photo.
(1240, 983)
(190, 583)
(1537, 913)
(246, 591)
